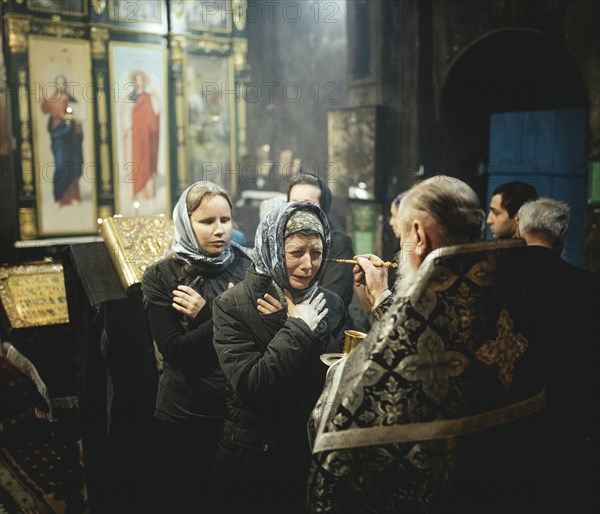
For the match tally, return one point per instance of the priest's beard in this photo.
(405, 276)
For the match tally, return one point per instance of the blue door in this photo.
(547, 150)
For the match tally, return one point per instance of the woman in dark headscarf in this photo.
(178, 294)
(269, 333)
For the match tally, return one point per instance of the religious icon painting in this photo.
(209, 81)
(139, 15)
(212, 16)
(139, 128)
(352, 152)
(76, 9)
(61, 99)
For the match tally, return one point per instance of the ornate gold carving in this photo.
(183, 174)
(103, 131)
(27, 224)
(240, 51)
(207, 44)
(27, 171)
(136, 243)
(178, 47)
(23, 97)
(99, 38)
(210, 45)
(33, 295)
(105, 211)
(99, 6)
(239, 14)
(18, 29)
(100, 85)
(61, 29)
(503, 351)
(177, 9)
(105, 168)
(433, 365)
(243, 149)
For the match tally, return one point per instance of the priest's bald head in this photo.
(440, 211)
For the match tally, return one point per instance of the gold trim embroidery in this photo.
(427, 431)
(503, 351)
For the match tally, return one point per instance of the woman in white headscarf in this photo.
(178, 294)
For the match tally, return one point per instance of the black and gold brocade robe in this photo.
(463, 396)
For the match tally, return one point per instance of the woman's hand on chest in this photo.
(188, 301)
(268, 304)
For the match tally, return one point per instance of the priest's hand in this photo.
(373, 278)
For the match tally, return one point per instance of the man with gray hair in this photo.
(460, 399)
(438, 212)
(543, 222)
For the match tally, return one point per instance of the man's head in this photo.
(506, 201)
(544, 222)
(310, 188)
(440, 211)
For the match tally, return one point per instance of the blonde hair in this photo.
(201, 190)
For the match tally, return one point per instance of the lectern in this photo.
(120, 376)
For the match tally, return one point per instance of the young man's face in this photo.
(501, 224)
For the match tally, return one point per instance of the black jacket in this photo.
(192, 384)
(274, 377)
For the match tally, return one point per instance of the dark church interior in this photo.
(373, 97)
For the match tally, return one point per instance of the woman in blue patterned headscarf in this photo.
(269, 333)
(269, 245)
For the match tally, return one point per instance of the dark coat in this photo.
(274, 376)
(192, 383)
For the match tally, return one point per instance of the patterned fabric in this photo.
(304, 221)
(451, 358)
(41, 461)
(269, 251)
(185, 244)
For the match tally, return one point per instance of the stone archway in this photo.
(504, 71)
